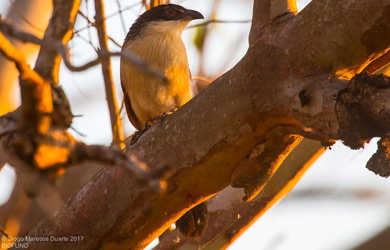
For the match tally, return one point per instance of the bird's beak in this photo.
(192, 14)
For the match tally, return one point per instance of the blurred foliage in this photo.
(200, 37)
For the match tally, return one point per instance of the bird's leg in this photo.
(149, 124)
(138, 133)
(161, 118)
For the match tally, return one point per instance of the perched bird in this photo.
(156, 38)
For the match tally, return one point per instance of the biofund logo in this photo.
(19, 245)
(9, 241)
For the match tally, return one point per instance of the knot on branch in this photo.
(62, 115)
(193, 224)
(257, 169)
(47, 153)
(363, 109)
(380, 161)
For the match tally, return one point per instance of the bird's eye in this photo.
(171, 12)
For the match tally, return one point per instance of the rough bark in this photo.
(60, 28)
(230, 215)
(37, 12)
(287, 81)
(266, 11)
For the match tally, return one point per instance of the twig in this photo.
(87, 15)
(145, 4)
(115, 157)
(3, 232)
(116, 122)
(140, 64)
(87, 41)
(108, 16)
(27, 37)
(93, 24)
(128, 56)
(114, 42)
(218, 21)
(121, 16)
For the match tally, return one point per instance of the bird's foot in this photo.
(136, 136)
(149, 124)
(158, 119)
(161, 118)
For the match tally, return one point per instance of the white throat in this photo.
(165, 28)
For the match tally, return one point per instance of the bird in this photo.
(156, 38)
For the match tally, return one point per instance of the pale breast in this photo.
(150, 96)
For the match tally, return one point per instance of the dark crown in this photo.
(164, 12)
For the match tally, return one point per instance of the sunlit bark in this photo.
(37, 13)
(288, 83)
(285, 81)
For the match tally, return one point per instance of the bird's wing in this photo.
(130, 112)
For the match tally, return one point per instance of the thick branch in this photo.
(265, 11)
(36, 92)
(255, 171)
(116, 123)
(60, 28)
(282, 7)
(363, 109)
(188, 186)
(285, 80)
(230, 215)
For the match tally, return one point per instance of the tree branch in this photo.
(93, 24)
(362, 109)
(116, 123)
(36, 93)
(255, 171)
(285, 80)
(60, 28)
(265, 11)
(378, 64)
(380, 161)
(238, 214)
(130, 57)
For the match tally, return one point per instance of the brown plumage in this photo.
(156, 38)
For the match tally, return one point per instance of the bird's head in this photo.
(167, 18)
